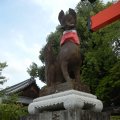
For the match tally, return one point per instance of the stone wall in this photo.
(76, 114)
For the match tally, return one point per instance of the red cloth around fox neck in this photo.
(70, 35)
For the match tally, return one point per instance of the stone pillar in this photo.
(75, 114)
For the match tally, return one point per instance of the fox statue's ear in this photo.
(60, 16)
(72, 12)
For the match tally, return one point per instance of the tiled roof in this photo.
(19, 86)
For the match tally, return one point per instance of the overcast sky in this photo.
(24, 26)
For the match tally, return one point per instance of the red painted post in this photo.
(105, 17)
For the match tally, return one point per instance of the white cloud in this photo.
(55, 4)
(22, 45)
(20, 58)
(39, 83)
(17, 68)
(54, 7)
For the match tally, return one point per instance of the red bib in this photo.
(72, 36)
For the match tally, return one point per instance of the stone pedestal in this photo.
(75, 114)
(67, 100)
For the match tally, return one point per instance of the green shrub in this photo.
(115, 118)
(12, 111)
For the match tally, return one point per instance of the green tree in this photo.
(2, 78)
(100, 54)
(10, 109)
(109, 88)
(33, 70)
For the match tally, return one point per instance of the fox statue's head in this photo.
(67, 21)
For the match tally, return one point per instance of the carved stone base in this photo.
(68, 100)
(64, 87)
(75, 114)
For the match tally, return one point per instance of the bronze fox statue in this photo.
(66, 67)
(69, 55)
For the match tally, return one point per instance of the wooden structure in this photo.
(26, 90)
(105, 17)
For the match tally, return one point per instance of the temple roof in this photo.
(20, 86)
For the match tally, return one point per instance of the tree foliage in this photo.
(109, 87)
(2, 66)
(101, 56)
(10, 109)
(100, 53)
(33, 70)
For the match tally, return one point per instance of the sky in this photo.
(24, 27)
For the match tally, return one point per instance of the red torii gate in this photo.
(105, 17)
